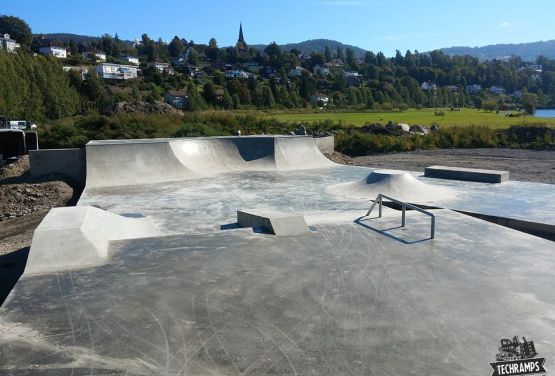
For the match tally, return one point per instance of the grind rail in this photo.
(404, 206)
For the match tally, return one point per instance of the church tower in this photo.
(241, 44)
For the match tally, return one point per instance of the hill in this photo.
(526, 51)
(318, 45)
(66, 37)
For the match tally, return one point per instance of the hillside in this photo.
(316, 45)
(66, 37)
(526, 51)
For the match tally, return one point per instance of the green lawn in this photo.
(413, 116)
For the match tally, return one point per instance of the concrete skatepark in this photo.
(253, 255)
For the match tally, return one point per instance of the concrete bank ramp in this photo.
(399, 184)
(274, 222)
(78, 237)
(132, 162)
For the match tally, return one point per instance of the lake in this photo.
(545, 113)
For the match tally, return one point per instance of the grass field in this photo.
(413, 116)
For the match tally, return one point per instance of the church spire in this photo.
(241, 39)
(241, 44)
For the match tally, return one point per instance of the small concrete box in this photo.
(280, 224)
(466, 174)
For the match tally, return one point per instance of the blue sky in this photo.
(377, 25)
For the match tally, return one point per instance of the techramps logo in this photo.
(516, 357)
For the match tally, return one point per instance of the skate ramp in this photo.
(79, 237)
(399, 184)
(137, 162)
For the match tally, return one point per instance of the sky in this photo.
(376, 25)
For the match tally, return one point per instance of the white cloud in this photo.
(505, 24)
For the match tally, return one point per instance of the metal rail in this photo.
(404, 206)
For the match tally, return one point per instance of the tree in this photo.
(18, 29)
(529, 102)
(212, 51)
(327, 54)
(489, 105)
(194, 58)
(176, 47)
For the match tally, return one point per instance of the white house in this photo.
(319, 99)
(235, 73)
(116, 71)
(497, 90)
(94, 55)
(427, 86)
(350, 74)
(324, 71)
(56, 51)
(131, 59)
(162, 67)
(8, 43)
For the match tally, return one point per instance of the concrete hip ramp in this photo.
(132, 162)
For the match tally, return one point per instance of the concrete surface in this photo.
(139, 161)
(466, 174)
(351, 298)
(280, 224)
(398, 184)
(354, 296)
(78, 237)
(68, 162)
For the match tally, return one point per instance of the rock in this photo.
(404, 127)
(140, 107)
(419, 129)
(434, 128)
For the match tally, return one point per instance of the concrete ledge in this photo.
(79, 237)
(466, 174)
(280, 224)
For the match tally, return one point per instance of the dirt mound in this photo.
(337, 157)
(144, 108)
(15, 168)
(22, 199)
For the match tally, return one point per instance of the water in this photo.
(546, 113)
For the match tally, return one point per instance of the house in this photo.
(235, 73)
(46, 47)
(161, 67)
(319, 99)
(452, 88)
(94, 56)
(111, 71)
(131, 59)
(297, 71)
(176, 98)
(353, 80)
(8, 43)
(497, 90)
(323, 71)
(350, 74)
(180, 62)
(81, 69)
(536, 67)
(428, 86)
(517, 94)
(473, 89)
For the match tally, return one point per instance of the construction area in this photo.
(258, 255)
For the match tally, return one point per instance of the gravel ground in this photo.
(24, 201)
(523, 165)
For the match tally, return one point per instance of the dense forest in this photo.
(37, 88)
